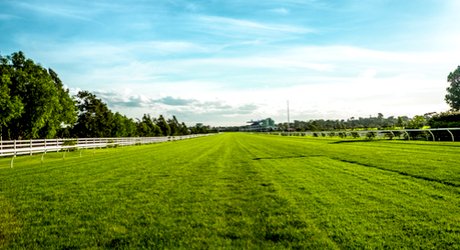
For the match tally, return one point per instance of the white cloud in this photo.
(281, 11)
(188, 110)
(57, 10)
(320, 81)
(7, 17)
(232, 27)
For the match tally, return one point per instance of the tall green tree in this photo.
(147, 127)
(174, 125)
(118, 126)
(33, 101)
(10, 106)
(130, 127)
(417, 122)
(164, 126)
(94, 118)
(453, 91)
(183, 129)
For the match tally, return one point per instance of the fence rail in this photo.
(434, 134)
(30, 147)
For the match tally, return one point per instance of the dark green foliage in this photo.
(111, 144)
(146, 127)
(33, 101)
(199, 128)
(379, 122)
(397, 133)
(34, 104)
(174, 126)
(418, 135)
(164, 126)
(94, 119)
(70, 144)
(453, 91)
(389, 135)
(183, 130)
(355, 135)
(371, 135)
(417, 122)
(445, 120)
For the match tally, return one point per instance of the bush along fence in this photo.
(30, 147)
(437, 134)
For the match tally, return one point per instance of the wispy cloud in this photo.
(233, 27)
(243, 59)
(172, 101)
(174, 105)
(117, 51)
(280, 11)
(7, 17)
(54, 9)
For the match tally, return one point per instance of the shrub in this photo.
(111, 144)
(398, 133)
(445, 120)
(419, 135)
(70, 144)
(371, 135)
(389, 135)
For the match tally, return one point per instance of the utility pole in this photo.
(288, 116)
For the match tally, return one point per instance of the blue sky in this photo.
(226, 62)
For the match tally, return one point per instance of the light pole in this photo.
(288, 116)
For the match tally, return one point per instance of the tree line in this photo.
(446, 119)
(35, 104)
(450, 118)
(377, 122)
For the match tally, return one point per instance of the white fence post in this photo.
(12, 160)
(432, 134)
(451, 134)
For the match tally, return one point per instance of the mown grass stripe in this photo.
(237, 191)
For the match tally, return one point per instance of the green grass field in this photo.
(236, 191)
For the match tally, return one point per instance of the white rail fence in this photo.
(30, 147)
(434, 134)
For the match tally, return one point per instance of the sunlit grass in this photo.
(236, 191)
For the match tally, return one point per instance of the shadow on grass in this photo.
(405, 142)
(286, 157)
(351, 141)
(420, 177)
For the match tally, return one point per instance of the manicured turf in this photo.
(236, 191)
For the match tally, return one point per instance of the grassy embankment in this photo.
(236, 190)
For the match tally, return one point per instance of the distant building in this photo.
(260, 125)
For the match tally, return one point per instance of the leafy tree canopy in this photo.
(453, 91)
(33, 101)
